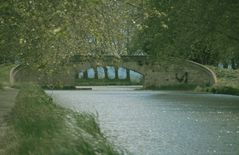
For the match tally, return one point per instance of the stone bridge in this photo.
(156, 73)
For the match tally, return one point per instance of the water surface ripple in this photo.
(161, 122)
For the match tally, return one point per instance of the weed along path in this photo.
(161, 122)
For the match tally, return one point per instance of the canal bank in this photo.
(37, 126)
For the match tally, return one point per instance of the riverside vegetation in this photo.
(228, 82)
(37, 126)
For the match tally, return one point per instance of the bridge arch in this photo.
(133, 66)
(106, 70)
(108, 75)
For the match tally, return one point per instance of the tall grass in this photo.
(37, 126)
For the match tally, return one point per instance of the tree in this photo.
(8, 32)
(189, 29)
(48, 33)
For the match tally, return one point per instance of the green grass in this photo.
(4, 74)
(37, 126)
(227, 77)
(228, 82)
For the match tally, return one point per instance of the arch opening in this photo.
(108, 75)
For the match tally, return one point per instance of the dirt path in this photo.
(7, 100)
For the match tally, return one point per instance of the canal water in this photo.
(161, 122)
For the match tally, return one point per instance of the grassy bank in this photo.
(228, 82)
(37, 126)
(227, 77)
